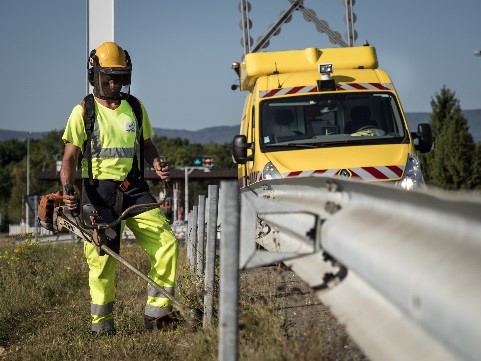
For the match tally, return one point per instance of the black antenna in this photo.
(276, 72)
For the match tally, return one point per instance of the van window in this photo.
(333, 119)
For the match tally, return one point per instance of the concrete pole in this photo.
(186, 193)
(27, 208)
(100, 26)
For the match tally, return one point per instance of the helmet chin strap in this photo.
(97, 92)
(118, 96)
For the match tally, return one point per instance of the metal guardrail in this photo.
(399, 269)
(200, 241)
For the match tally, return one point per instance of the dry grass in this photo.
(45, 313)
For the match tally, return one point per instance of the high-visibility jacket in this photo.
(113, 142)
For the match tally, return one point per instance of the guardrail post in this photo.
(211, 210)
(229, 272)
(193, 240)
(200, 236)
(188, 236)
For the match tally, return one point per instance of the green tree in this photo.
(12, 152)
(16, 206)
(45, 152)
(450, 164)
(221, 153)
(180, 152)
(43, 155)
(476, 178)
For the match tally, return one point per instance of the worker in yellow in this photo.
(111, 128)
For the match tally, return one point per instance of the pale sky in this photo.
(182, 51)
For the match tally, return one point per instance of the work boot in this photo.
(149, 322)
(167, 322)
(105, 333)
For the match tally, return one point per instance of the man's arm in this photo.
(67, 173)
(151, 155)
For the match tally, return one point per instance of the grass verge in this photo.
(45, 306)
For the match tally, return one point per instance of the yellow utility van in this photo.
(324, 112)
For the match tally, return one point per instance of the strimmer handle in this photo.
(70, 190)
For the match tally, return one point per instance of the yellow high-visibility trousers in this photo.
(154, 235)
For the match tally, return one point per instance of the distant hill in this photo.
(223, 134)
(219, 135)
(20, 135)
(473, 117)
(226, 133)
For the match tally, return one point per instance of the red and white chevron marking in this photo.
(313, 89)
(389, 172)
(364, 173)
(365, 86)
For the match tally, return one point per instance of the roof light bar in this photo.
(326, 83)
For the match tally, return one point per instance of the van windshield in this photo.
(334, 119)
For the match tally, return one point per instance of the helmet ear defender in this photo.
(129, 65)
(91, 63)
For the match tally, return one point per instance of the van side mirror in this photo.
(425, 137)
(239, 149)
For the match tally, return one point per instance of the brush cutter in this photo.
(54, 216)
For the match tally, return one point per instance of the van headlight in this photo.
(270, 172)
(412, 177)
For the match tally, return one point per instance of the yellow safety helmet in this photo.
(110, 55)
(108, 59)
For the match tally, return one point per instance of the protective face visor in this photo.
(111, 83)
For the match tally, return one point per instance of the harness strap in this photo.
(137, 109)
(137, 171)
(89, 122)
(119, 196)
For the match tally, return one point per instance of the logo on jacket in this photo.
(130, 127)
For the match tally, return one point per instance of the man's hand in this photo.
(162, 169)
(70, 199)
